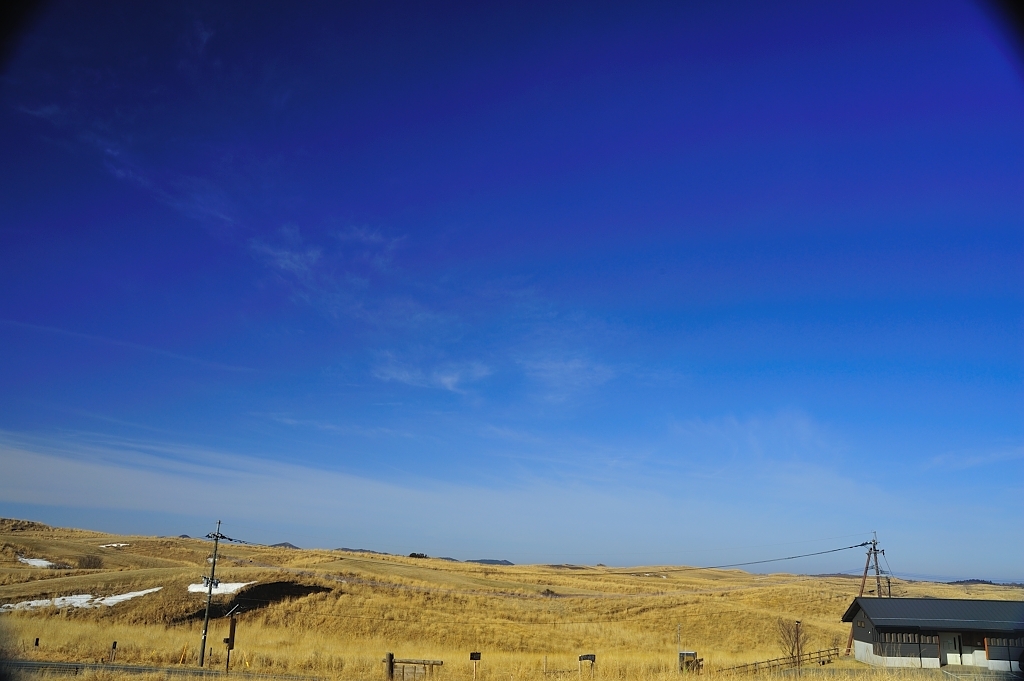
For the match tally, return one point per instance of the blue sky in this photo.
(655, 283)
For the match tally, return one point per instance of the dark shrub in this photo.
(90, 562)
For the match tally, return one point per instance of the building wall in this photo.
(1004, 665)
(1005, 652)
(919, 644)
(862, 628)
(865, 652)
(896, 655)
(976, 658)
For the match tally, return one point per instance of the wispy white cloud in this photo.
(451, 376)
(521, 520)
(348, 274)
(788, 435)
(298, 262)
(123, 344)
(563, 377)
(344, 428)
(199, 198)
(454, 376)
(199, 37)
(524, 519)
(377, 250)
(48, 112)
(365, 235)
(968, 459)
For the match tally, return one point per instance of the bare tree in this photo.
(90, 562)
(792, 637)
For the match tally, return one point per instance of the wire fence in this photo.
(77, 668)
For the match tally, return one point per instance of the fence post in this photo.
(389, 667)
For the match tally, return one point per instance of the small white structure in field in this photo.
(221, 588)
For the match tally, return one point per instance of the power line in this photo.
(628, 571)
(887, 567)
(673, 617)
(761, 562)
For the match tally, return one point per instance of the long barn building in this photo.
(936, 632)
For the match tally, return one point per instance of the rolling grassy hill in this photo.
(337, 612)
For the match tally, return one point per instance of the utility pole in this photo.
(878, 571)
(798, 646)
(210, 583)
(873, 552)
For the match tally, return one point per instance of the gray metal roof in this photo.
(940, 614)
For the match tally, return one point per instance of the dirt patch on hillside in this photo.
(258, 596)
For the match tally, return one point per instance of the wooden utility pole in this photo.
(878, 571)
(216, 536)
(799, 652)
(872, 554)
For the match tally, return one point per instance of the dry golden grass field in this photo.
(335, 613)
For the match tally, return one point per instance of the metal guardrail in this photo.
(76, 668)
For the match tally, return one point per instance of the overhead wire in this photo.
(887, 565)
(587, 622)
(762, 562)
(614, 571)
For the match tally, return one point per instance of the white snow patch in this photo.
(76, 601)
(222, 588)
(120, 598)
(113, 546)
(35, 562)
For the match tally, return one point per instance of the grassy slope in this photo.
(416, 607)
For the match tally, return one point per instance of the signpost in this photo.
(475, 659)
(230, 643)
(591, 658)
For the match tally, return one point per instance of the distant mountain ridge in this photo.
(416, 554)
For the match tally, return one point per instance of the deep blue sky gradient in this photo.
(739, 275)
